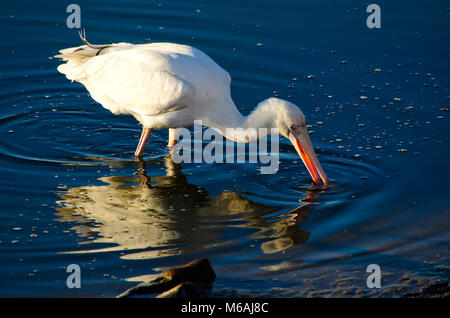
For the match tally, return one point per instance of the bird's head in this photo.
(291, 123)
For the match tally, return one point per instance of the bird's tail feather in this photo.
(77, 56)
(82, 52)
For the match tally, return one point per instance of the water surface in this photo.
(376, 102)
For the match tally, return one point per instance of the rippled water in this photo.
(376, 102)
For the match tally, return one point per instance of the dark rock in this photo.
(436, 290)
(198, 271)
(188, 290)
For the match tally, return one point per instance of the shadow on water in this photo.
(165, 215)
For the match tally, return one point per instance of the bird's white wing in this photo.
(135, 80)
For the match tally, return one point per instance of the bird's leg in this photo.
(142, 142)
(173, 138)
(171, 143)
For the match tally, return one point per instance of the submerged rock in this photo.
(188, 290)
(192, 280)
(436, 290)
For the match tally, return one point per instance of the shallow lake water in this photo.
(376, 102)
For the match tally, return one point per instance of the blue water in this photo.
(376, 101)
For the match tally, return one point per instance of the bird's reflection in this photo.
(149, 217)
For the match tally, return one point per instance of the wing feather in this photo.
(134, 80)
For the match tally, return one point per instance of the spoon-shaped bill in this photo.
(302, 143)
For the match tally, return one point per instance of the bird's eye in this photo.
(292, 127)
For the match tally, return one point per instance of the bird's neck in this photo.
(237, 127)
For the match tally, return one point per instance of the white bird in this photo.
(168, 85)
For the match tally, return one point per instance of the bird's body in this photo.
(167, 85)
(163, 85)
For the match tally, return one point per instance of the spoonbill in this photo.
(168, 85)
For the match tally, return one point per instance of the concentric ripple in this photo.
(66, 129)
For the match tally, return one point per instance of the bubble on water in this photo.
(402, 150)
